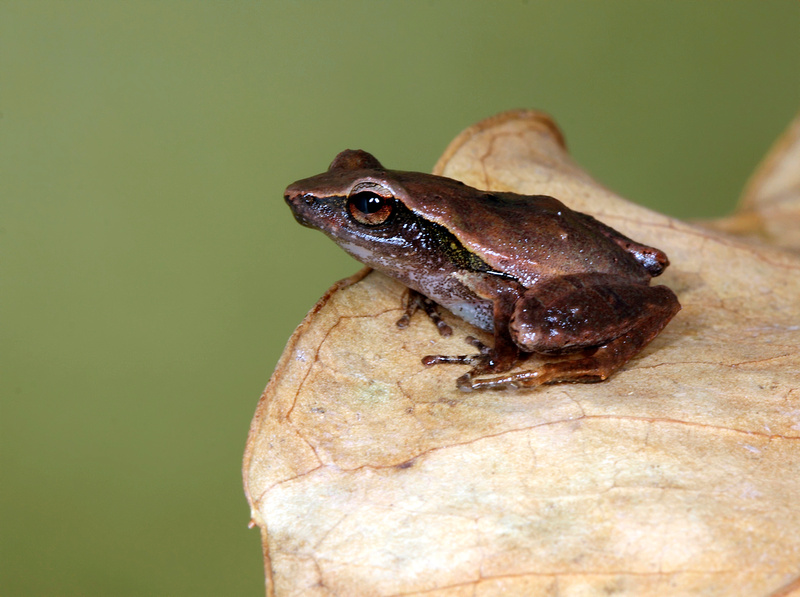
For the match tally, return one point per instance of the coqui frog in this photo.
(544, 279)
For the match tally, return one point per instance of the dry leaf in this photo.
(370, 474)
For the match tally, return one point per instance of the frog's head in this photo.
(363, 207)
(356, 194)
(355, 179)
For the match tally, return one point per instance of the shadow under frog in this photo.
(543, 278)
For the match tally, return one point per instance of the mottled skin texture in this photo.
(545, 279)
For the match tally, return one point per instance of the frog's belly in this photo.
(451, 294)
(478, 314)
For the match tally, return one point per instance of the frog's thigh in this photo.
(583, 311)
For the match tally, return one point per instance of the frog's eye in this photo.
(369, 208)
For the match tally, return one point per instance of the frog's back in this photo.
(531, 237)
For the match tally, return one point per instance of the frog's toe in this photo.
(464, 383)
(443, 359)
(482, 348)
(505, 382)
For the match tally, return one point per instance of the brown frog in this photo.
(543, 278)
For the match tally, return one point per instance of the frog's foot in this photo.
(483, 363)
(587, 369)
(412, 302)
(486, 361)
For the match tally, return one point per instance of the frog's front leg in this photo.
(505, 353)
(596, 321)
(412, 302)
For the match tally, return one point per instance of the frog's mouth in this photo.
(301, 219)
(300, 204)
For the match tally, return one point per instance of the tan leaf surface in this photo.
(370, 474)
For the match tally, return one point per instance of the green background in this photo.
(151, 274)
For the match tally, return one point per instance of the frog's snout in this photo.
(290, 196)
(299, 202)
(296, 197)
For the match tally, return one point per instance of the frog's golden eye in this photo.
(369, 208)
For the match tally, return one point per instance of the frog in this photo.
(544, 280)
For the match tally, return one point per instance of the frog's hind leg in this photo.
(597, 329)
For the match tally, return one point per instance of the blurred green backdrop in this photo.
(151, 273)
